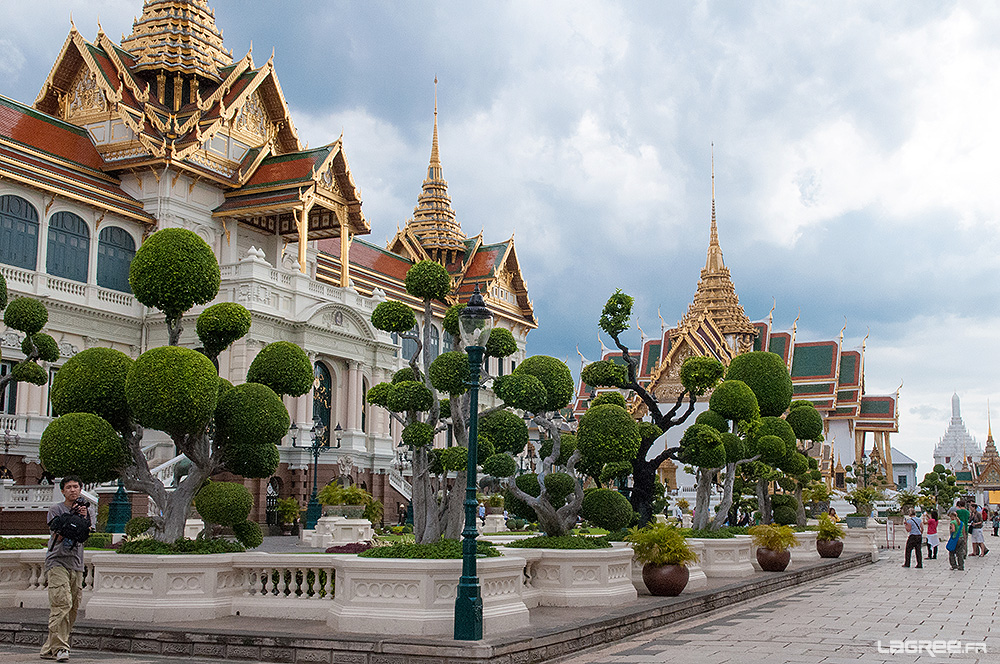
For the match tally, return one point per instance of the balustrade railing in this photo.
(303, 577)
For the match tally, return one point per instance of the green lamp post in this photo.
(320, 444)
(475, 324)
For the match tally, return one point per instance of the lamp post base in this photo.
(468, 610)
(313, 512)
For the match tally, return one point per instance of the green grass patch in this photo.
(561, 542)
(436, 550)
(20, 543)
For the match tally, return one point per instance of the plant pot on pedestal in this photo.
(773, 544)
(773, 561)
(856, 521)
(665, 580)
(346, 511)
(664, 554)
(829, 548)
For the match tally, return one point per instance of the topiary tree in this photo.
(807, 424)
(103, 401)
(940, 485)
(28, 316)
(698, 376)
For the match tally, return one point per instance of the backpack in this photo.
(72, 527)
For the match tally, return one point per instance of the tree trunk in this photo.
(800, 513)
(727, 497)
(763, 501)
(454, 507)
(178, 505)
(643, 482)
(703, 498)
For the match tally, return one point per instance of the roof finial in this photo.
(435, 156)
(989, 426)
(715, 231)
(715, 262)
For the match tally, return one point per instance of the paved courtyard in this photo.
(832, 621)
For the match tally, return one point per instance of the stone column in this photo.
(353, 419)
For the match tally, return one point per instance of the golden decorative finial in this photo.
(72, 25)
(989, 427)
(435, 156)
(715, 232)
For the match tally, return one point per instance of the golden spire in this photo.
(178, 36)
(714, 261)
(989, 426)
(435, 155)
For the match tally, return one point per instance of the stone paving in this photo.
(832, 621)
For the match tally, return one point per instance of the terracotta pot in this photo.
(829, 548)
(494, 510)
(665, 580)
(773, 561)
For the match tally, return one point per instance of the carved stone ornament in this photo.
(11, 339)
(84, 95)
(253, 117)
(332, 319)
(66, 349)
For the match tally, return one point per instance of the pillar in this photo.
(345, 248)
(353, 420)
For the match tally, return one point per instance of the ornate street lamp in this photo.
(475, 325)
(320, 444)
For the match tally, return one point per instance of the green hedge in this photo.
(181, 546)
(17, 543)
(561, 542)
(440, 549)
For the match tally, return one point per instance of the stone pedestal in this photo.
(806, 551)
(338, 531)
(696, 575)
(192, 527)
(495, 523)
(577, 577)
(726, 558)
(862, 540)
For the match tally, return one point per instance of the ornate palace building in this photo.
(167, 129)
(823, 372)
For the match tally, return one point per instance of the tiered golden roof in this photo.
(178, 36)
(434, 223)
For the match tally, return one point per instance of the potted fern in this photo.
(288, 511)
(664, 554)
(829, 542)
(863, 498)
(349, 502)
(494, 503)
(773, 544)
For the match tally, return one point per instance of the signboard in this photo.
(890, 534)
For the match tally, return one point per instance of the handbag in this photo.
(952, 544)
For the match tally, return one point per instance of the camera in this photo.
(69, 542)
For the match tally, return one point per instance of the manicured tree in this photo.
(28, 316)
(698, 375)
(807, 423)
(104, 401)
(940, 485)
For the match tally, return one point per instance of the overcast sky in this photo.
(855, 149)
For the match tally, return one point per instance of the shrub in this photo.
(734, 400)
(766, 374)
(16, 543)
(775, 426)
(181, 546)
(500, 465)
(784, 515)
(82, 444)
(608, 509)
(561, 542)
(700, 374)
(93, 381)
(393, 316)
(29, 372)
(418, 434)
(26, 315)
(99, 541)
(334, 494)
(224, 503)
(604, 373)
(828, 530)
(449, 372)
(555, 377)
(174, 270)
(172, 389)
(702, 446)
(776, 538)
(522, 391)
(714, 420)
(379, 394)
(806, 422)
(450, 323)
(251, 413)
(660, 544)
(284, 367)
(501, 343)
(353, 547)
(249, 534)
(444, 548)
(406, 373)
(567, 445)
(506, 431)
(615, 398)
(736, 448)
(48, 349)
(428, 280)
(409, 395)
(607, 433)
(221, 324)
(254, 460)
(138, 525)
(453, 458)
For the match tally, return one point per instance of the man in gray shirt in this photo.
(64, 572)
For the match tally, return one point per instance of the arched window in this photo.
(364, 405)
(115, 250)
(447, 342)
(69, 247)
(409, 345)
(435, 342)
(18, 232)
(322, 396)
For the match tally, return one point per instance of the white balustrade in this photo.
(290, 585)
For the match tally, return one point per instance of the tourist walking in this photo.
(976, 533)
(913, 542)
(64, 567)
(996, 521)
(932, 535)
(956, 551)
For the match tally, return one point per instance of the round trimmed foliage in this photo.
(25, 315)
(284, 367)
(604, 373)
(82, 444)
(766, 374)
(453, 458)
(736, 449)
(251, 413)
(606, 508)
(444, 409)
(172, 389)
(253, 460)
(500, 465)
(418, 434)
(615, 398)
(649, 431)
(393, 316)
(734, 400)
(800, 403)
(409, 395)
(775, 426)
(528, 483)
(48, 349)
(555, 376)
(702, 446)
(771, 449)
(559, 487)
(29, 372)
(174, 270)
(806, 422)
(222, 324)
(501, 343)
(485, 448)
(614, 471)
(617, 311)
(249, 534)
(449, 372)
(224, 386)
(93, 381)
(428, 280)
(3, 292)
(451, 317)
(223, 503)
(567, 445)
(795, 463)
(138, 525)
(700, 374)
(406, 373)
(506, 431)
(784, 515)
(714, 420)
(608, 433)
(521, 391)
(379, 394)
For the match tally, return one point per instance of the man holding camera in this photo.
(64, 567)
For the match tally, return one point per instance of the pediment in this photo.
(341, 320)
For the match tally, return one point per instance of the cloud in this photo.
(11, 58)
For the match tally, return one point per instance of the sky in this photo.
(854, 148)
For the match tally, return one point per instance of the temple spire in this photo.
(714, 262)
(435, 155)
(178, 36)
